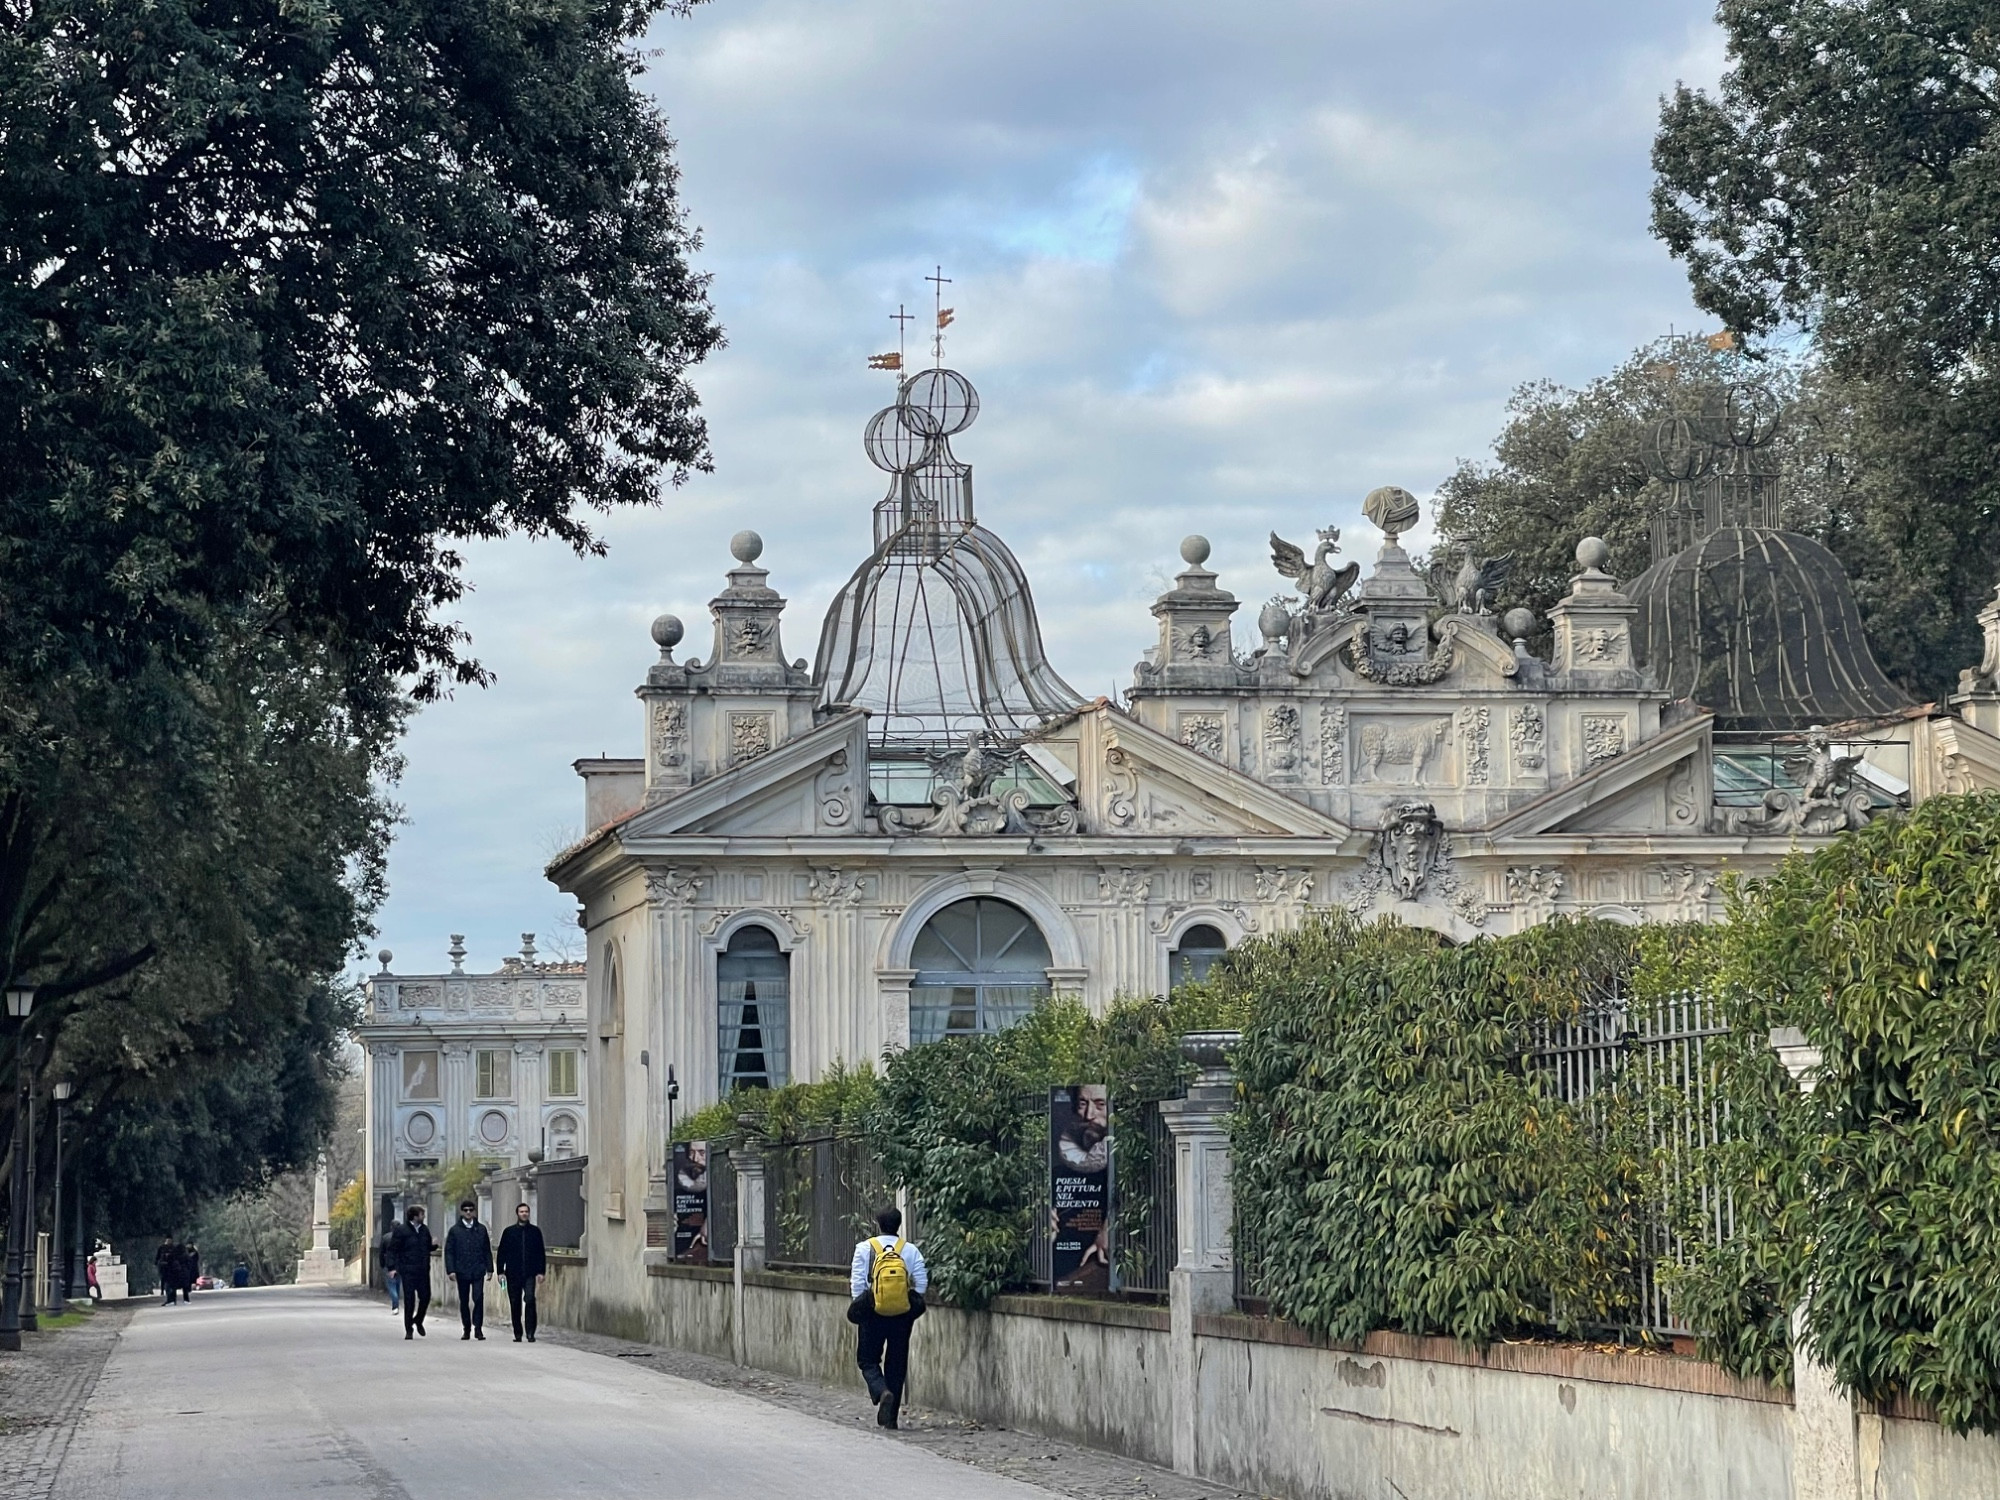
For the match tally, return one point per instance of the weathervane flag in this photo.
(1721, 341)
(944, 317)
(893, 360)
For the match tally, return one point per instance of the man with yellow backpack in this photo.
(888, 1281)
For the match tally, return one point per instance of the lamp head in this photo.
(20, 1000)
(64, 1091)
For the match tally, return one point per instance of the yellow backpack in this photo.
(889, 1281)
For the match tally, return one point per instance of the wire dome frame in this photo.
(936, 633)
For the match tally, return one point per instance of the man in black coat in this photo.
(410, 1247)
(167, 1260)
(523, 1264)
(468, 1260)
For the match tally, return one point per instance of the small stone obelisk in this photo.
(319, 1264)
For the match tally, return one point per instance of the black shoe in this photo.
(480, 1334)
(420, 1332)
(517, 1338)
(885, 1413)
(407, 1334)
(877, 1387)
(531, 1338)
(465, 1337)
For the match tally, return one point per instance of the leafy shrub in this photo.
(1399, 1162)
(1885, 948)
(962, 1123)
(840, 1102)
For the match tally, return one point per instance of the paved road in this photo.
(297, 1391)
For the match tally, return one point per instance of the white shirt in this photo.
(864, 1262)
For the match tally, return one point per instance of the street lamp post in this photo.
(30, 1293)
(58, 1268)
(20, 1001)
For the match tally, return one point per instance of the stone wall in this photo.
(1278, 1413)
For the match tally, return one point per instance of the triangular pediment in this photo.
(1135, 780)
(1663, 785)
(815, 784)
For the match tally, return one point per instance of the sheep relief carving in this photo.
(1397, 743)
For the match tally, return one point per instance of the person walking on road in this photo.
(410, 1248)
(468, 1260)
(888, 1280)
(167, 1260)
(523, 1264)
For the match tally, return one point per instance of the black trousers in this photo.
(472, 1301)
(884, 1350)
(517, 1294)
(416, 1298)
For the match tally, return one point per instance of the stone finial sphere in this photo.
(667, 632)
(1194, 550)
(387, 957)
(1592, 553)
(746, 546)
(1519, 623)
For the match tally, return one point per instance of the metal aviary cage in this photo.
(935, 634)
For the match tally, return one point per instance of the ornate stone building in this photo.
(490, 1067)
(928, 830)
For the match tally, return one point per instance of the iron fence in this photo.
(721, 1205)
(1659, 1052)
(820, 1198)
(1143, 1201)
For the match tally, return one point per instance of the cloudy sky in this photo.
(1217, 268)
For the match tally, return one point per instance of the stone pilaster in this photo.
(530, 1082)
(456, 1103)
(1203, 1280)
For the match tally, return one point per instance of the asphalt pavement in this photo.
(309, 1392)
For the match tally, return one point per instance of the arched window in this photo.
(981, 966)
(1201, 947)
(562, 1136)
(753, 995)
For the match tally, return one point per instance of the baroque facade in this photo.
(927, 830)
(487, 1067)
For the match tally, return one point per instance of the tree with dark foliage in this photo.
(1842, 179)
(293, 301)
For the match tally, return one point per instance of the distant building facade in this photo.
(927, 830)
(486, 1067)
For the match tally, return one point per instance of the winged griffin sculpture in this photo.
(1470, 590)
(1320, 581)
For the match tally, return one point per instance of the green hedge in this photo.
(1884, 1186)
(1398, 1162)
(962, 1124)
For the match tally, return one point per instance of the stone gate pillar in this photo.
(748, 1159)
(1203, 1280)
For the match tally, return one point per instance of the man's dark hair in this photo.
(468, 1203)
(520, 1208)
(889, 1220)
(411, 1213)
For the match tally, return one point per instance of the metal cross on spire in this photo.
(939, 281)
(902, 317)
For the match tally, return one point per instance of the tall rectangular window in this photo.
(493, 1074)
(420, 1075)
(562, 1073)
